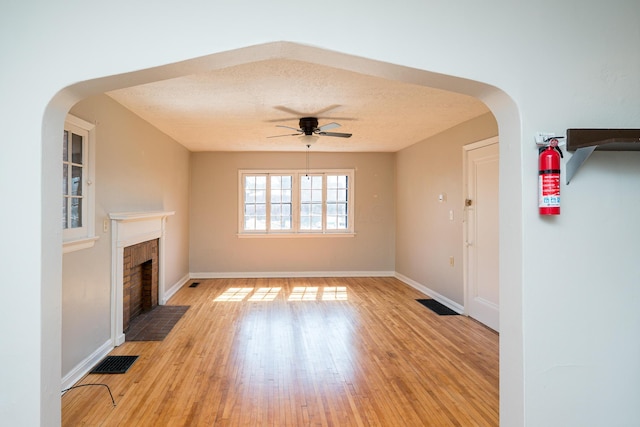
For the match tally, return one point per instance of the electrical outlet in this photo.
(105, 225)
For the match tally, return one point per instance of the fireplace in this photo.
(137, 267)
(140, 280)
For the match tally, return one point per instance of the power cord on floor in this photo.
(87, 385)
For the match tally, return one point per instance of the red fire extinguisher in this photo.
(549, 178)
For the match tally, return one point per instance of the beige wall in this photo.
(137, 168)
(215, 247)
(425, 237)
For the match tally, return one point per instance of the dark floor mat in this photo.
(156, 324)
(114, 365)
(437, 307)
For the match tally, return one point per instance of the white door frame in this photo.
(465, 261)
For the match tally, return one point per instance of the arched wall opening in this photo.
(501, 105)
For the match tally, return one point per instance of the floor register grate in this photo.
(114, 365)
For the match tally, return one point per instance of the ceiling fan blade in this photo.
(288, 134)
(289, 110)
(328, 126)
(292, 119)
(338, 134)
(289, 127)
(324, 110)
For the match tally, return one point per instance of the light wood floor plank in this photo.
(308, 357)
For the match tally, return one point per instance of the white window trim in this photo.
(85, 236)
(295, 232)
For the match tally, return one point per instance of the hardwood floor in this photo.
(316, 352)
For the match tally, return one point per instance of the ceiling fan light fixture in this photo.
(309, 139)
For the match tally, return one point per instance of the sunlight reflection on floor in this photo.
(298, 293)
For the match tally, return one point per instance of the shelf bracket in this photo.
(577, 160)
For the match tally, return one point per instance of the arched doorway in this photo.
(498, 101)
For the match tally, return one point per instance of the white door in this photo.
(481, 232)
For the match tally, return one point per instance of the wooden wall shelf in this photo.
(585, 141)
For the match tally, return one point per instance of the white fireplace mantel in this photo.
(127, 229)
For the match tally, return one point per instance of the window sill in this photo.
(79, 244)
(292, 235)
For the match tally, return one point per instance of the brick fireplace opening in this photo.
(139, 281)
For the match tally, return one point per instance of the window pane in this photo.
(332, 209)
(76, 148)
(261, 196)
(332, 195)
(316, 195)
(305, 182)
(65, 147)
(305, 223)
(65, 179)
(261, 182)
(250, 182)
(305, 209)
(76, 180)
(316, 223)
(316, 209)
(249, 223)
(342, 195)
(280, 207)
(261, 210)
(305, 196)
(64, 212)
(316, 182)
(332, 181)
(76, 212)
(250, 210)
(342, 181)
(249, 196)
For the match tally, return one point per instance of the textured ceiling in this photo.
(238, 108)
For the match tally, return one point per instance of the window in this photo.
(296, 202)
(77, 185)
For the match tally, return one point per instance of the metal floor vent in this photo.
(194, 285)
(114, 365)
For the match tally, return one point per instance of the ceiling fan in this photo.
(309, 126)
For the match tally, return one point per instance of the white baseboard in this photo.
(85, 366)
(431, 293)
(168, 293)
(288, 274)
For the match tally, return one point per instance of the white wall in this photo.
(137, 169)
(563, 64)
